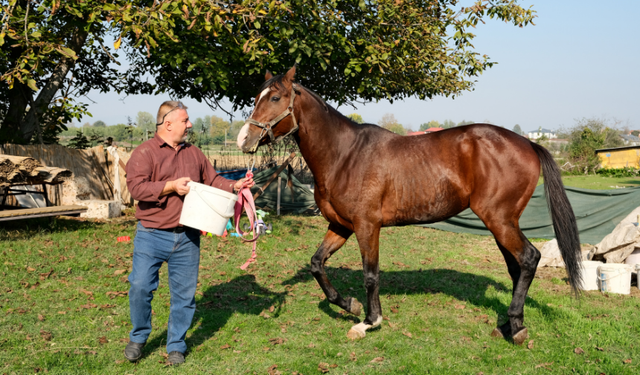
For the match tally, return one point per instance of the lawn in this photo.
(64, 307)
(597, 182)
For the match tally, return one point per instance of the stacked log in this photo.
(19, 170)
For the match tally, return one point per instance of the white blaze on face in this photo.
(244, 132)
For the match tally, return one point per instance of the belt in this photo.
(174, 230)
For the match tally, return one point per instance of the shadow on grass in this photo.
(27, 228)
(465, 287)
(241, 295)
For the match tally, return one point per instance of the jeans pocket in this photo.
(141, 228)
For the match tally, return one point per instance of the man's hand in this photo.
(178, 186)
(243, 182)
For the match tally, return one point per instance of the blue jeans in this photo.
(181, 251)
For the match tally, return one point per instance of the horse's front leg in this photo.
(369, 238)
(334, 239)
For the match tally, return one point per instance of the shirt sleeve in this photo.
(139, 170)
(212, 178)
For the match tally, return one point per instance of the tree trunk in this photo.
(48, 92)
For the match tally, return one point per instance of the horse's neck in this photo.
(320, 137)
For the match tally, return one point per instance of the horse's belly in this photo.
(420, 207)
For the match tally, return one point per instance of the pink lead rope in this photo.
(245, 200)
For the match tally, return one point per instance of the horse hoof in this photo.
(497, 333)
(355, 334)
(521, 336)
(355, 307)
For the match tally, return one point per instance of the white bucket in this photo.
(633, 258)
(615, 278)
(638, 275)
(207, 208)
(590, 274)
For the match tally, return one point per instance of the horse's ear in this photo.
(268, 75)
(291, 74)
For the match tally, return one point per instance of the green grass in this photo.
(64, 310)
(597, 182)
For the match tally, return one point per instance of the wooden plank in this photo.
(41, 212)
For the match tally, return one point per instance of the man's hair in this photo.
(167, 107)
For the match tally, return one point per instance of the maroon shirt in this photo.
(155, 162)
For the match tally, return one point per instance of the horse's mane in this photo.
(277, 82)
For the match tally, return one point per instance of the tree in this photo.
(447, 124)
(587, 136)
(430, 124)
(465, 122)
(146, 123)
(219, 128)
(99, 124)
(351, 50)
(517, 130)
(79, 142)
(355, 118)
(389, 122)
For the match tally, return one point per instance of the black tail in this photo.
(564, 221)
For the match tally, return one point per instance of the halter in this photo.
(267, 128)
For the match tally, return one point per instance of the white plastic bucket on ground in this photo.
(615, 278)
(207, 208)
(638, 275)
(633, 258)
(590, 274)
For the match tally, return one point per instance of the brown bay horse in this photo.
(367, 178)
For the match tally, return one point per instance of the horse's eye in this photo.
(275, 98)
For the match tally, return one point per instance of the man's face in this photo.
(179, 124)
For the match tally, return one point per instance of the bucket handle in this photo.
(612, 277)
(212, 207)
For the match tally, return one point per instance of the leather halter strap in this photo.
(267, 127)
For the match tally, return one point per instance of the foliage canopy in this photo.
(54, 52)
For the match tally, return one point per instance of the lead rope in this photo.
(245, 200)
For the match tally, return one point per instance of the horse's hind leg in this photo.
(522, 260)
(334, 239)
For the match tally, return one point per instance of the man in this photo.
(157, 176)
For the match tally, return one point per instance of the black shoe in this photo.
(176, 358)
(133, 351)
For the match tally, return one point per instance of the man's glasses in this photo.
(179, 106)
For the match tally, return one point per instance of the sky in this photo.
(580, 60)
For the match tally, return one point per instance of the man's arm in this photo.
(179, 186)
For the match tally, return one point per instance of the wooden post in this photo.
(279, 190)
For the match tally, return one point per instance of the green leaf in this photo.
(256, 24)
(32, 84)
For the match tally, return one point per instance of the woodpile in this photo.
(19, 170)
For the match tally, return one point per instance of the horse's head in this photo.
(272, 117)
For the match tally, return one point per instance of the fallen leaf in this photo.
(225, 346)
(272, 370)
(30, 269)
(103, 340)
(311, 346)
(323, 367)
(277, 340)
(600, 349)
(40, 317)
(119, 272)
(408, 334)
(46, 336)
(377, 360)
(578, 351)
(545, 365)
(460, 307)
(627, 361)
(530, 345)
